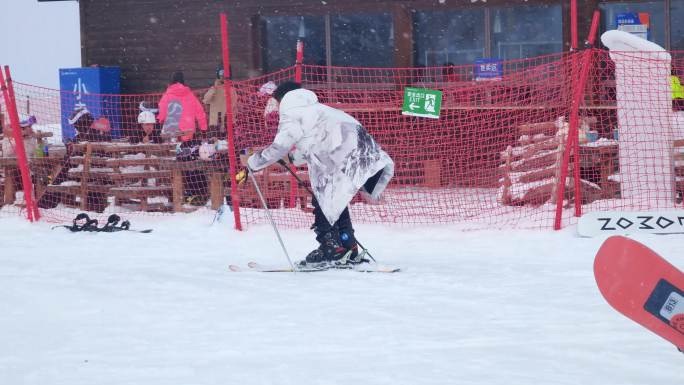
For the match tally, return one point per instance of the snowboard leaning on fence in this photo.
(643, 286)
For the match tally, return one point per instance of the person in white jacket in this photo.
(342, 158)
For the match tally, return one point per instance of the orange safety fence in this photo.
(493, 159)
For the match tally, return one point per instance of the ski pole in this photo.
(301, 183)
(270, 218)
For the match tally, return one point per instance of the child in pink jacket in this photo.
(179, 110)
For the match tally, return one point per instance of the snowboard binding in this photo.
(83, 222)
(112, 224)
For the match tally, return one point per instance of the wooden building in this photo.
(149, 39)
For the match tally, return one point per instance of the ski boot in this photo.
(353, 257)
(348, 240)
(328, 252)
(339, 251)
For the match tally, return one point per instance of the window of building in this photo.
(655, 10)
(448, 37)
(280, 34)
(451, 36)
(363, 40)
(526, 31)
(460, 37)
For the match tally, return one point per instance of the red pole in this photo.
(22, 160)
(10, 89)
(585, 74)
(227, 89)
(573, 24)
(583, 83)
(573, 132)
(298, 79)
(574, 127)
(299, 60)
(594, 27)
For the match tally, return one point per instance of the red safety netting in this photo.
(638, 120)
(117, 159)
(448, 170)
(493, 159)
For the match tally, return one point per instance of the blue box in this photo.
(592, 136)
(97, 89)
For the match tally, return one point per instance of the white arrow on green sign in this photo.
(422, 102)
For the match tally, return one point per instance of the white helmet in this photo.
(147, 117)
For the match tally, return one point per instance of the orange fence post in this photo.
(573, 132)
(22, 160)
(10, 90)
(227, 84)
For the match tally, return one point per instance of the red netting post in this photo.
(578, 97)
(227, 84)
(22, 160)
(10, 90)
(591, 38)
(299, 59)
(298, 79)
(573, 133)
(586, 65)
(573, 24)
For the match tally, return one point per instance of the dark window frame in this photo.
(328, 40)
(488, 8)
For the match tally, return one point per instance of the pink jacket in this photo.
(191, 109)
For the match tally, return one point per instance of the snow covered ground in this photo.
(479, 307)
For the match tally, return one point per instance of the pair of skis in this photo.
(362, 268)
(293, 268)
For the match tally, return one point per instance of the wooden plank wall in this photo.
(150, 39)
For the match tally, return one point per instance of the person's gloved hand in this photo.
(241, 176)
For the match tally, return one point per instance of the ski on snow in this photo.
(362, 268)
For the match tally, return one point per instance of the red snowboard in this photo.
(643, 286)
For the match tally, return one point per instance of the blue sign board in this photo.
(636, 23)
(95, 88)
(626, 18)
(488, 69)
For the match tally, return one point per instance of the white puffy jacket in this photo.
(338, 151)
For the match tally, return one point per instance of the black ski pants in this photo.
(342, 228)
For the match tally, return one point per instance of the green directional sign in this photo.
(422, 102)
